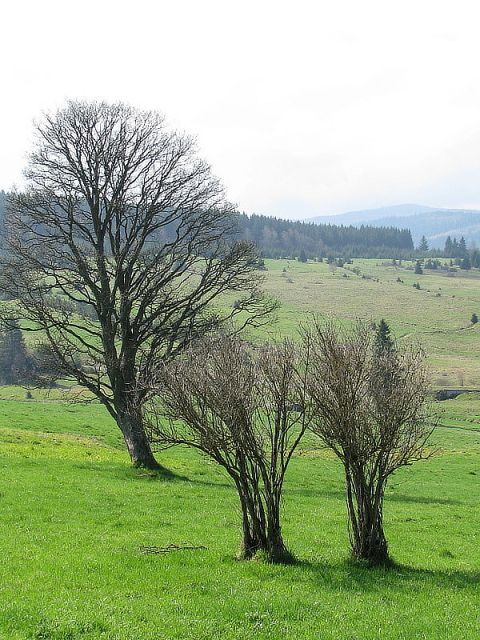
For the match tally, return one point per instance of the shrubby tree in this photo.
(370, 409)
(474, 318)
(116, 250)
(246, 409)
(418, 268)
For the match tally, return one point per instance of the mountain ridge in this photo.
(435, 223)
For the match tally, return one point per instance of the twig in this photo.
(170, 547)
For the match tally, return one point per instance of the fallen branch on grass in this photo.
(171, 547)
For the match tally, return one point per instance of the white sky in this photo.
(302, 108)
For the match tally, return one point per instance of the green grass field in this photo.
(74, 514)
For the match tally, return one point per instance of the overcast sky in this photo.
(302, 108)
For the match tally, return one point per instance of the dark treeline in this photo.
(278, 238)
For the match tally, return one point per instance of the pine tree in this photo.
(423, 246)
(383, 340)
(13, 356)
(462, 247)
(448, 251)
(454, 248)
(418, 268)
(303, 256)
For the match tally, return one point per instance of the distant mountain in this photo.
(436, 224)
(369, 215)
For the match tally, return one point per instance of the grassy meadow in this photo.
(74, 515)
(437, 316)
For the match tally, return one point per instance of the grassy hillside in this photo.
(75, 515)
(437, 316)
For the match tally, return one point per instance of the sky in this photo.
(302, 108)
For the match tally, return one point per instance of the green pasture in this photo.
(75, 516)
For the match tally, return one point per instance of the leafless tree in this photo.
(116, 250)
(246, 409)
(370, 407)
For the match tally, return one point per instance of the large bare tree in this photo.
(117, 249)
(370, 407)
(246, 409)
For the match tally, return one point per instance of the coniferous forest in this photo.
(278, 238)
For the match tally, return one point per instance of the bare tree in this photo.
(370, 408)
(246, 409)
(116, 250)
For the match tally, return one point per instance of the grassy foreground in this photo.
(74, 515)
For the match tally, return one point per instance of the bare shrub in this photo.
(369, 407)
(245, 409)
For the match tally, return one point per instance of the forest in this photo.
(277, 238)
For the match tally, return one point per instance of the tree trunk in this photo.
(261, 526)
(366, 520)
(277, 551)
(251, 538)
(136, 440)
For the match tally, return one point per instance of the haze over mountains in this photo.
(435, 223)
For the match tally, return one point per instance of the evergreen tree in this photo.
(448, 251)
(383, 340)
(418, 268)
(475, 258)
(465, 263)
(474, 318)
(303, 256)
(423, 246)
(462, 247)
(454, 248)
(13, 356)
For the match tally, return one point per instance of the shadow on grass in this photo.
(389, 497)
(162, 474)
(167, 474)
(350, 575)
